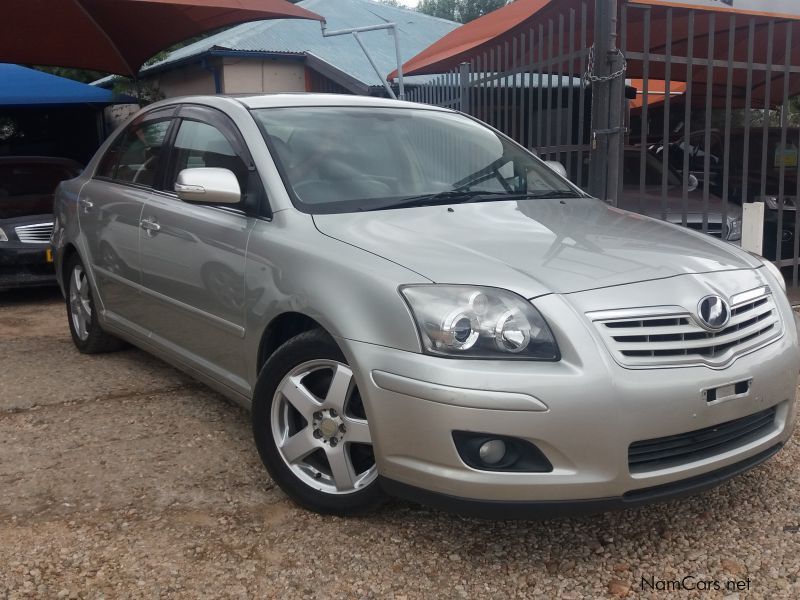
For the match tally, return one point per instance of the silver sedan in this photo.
(414, 305)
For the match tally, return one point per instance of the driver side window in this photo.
(202, 145)
(135, 158)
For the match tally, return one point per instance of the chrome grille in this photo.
(35, 234)
(667, 336)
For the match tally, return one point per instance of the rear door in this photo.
(193, 255)
(110, 207)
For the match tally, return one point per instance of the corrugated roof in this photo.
(417, 31)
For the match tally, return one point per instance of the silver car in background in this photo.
(414, 305)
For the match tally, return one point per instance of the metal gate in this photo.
(684, 114)
(529, 87)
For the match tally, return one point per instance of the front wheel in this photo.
(86, 332)
(311, 429)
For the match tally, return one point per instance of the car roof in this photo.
(282, 100)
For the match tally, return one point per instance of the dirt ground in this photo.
(121, 477)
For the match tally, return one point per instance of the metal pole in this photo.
(392, 29)
(463, 87)
(616, 119)
(374, 66)
(604, 125)
(401, 85)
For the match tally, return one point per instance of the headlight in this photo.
(734, 231)
(3, 236)
(776, 273)
(477, 322)
(773, 202)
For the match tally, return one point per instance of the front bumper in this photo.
(25, 265)
(509, 509)
(583, 413)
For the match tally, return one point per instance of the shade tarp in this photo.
(118, 36)
(484, 35)
(656, 91)
(473, 38)
(20, 86)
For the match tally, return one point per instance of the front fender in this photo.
(353, 294)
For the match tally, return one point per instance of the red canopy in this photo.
(488, 32)
(482, 34)
(118, 36)
(656, 91)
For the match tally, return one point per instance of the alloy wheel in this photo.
(80, 307)
(320, 428)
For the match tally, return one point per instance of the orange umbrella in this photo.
(118, 36)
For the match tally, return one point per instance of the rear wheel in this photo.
(311, 428)
(86, 332)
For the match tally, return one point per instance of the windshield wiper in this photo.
(464, 196)
(445, 197)
(552, 194)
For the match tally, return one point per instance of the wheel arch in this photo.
(280, 330)
(69, 251)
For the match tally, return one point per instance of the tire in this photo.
(311, 430)
(87, 335)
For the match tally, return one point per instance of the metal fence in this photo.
(528, 89)
(694, 125)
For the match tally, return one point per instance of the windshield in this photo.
(343, 159)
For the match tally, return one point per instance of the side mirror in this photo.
(557, 167)
(693, 183)
(208, 185)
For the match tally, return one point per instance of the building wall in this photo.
(317, 82)
(184, 81)
(247, 75)
(242, 76)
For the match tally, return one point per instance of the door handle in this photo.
(149, 225)
(87, 205)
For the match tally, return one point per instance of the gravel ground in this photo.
(120, 477)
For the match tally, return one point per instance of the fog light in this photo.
(492, 452)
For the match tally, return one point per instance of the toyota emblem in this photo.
(714, 312)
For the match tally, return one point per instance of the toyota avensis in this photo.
(414, 305)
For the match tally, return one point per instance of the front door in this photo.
(109, 210)
(193, 257)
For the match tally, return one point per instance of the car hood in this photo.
(652, 203)
(533, 247)
(24, 206)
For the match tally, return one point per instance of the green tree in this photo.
(472, 9)
(444, 9)
(462, 11)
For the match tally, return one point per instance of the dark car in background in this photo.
(27, 185)
(767, 174)
(643, 191)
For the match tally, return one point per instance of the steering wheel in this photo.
(145, 168)
(317, 191)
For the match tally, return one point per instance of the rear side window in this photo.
(136, 156)
(202, 145)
